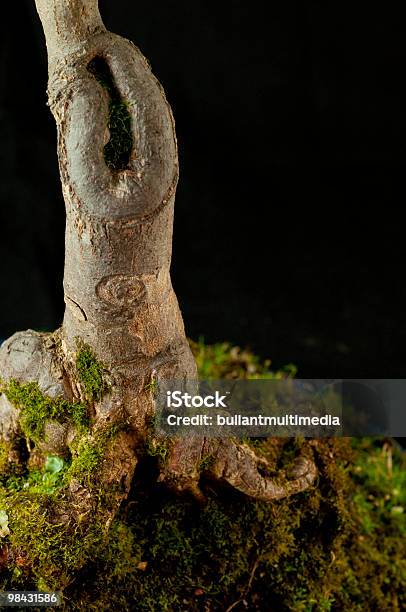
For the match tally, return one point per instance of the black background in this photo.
(289, 230)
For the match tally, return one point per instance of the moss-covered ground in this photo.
(339, 546)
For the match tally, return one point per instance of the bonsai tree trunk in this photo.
(84, 392)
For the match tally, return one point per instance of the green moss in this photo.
(223, 360)
(11, 467)
(4, 453)
(49, 549)
(308, 552)
(338, 546)
(157, 448)
(89, 452)
(49, 544)
(206, 463)
(305, 553)
(36, 409)
(90, 373)
(152, 386)
(117, 151)
(45, 481)
(113, 430)
(88, 458)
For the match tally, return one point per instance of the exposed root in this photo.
(233, 463)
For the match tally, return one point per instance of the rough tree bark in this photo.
(118, 293)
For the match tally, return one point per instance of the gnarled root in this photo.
(233, 463)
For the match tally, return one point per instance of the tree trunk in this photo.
(122, 328)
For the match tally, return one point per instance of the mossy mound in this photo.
(223, 360)
(339, 546)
